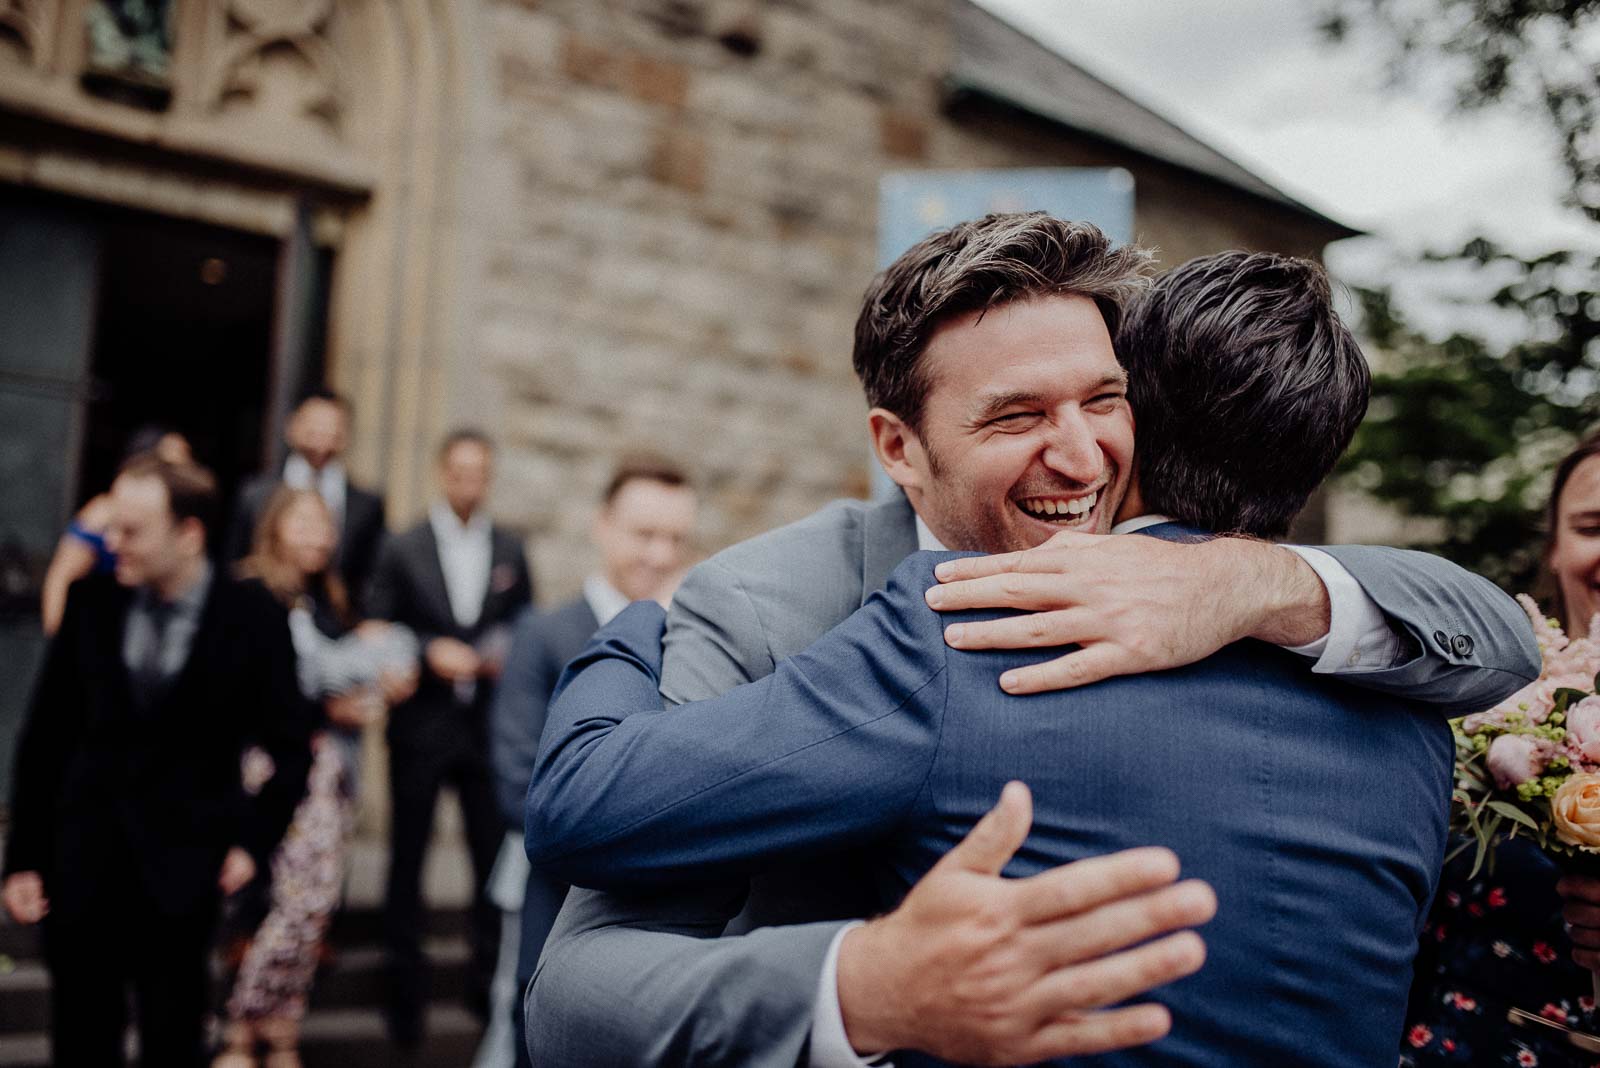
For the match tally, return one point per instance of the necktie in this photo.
(149, 675)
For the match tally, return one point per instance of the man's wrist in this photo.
(864, 993)
(1287, 604)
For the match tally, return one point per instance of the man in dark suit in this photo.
(129, 821)
(642, 532)
(457, 581)
(1317, 812)
(317, 434)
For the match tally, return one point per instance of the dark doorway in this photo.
(183, 338)
(110, 320)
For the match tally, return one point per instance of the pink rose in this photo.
(1517, 758)
(1583, 729)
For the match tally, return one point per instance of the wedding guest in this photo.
(642, 531)
(82, 549)
(129, 821)
(1496, 941)
(354, 671)
(457, 581)
(317, 433)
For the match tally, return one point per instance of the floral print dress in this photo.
(1490, 944)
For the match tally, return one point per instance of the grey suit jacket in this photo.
(645, 981)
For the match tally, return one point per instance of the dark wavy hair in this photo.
(1549, 589)
(973, 266)
(1245, 387)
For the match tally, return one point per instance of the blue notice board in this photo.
(913, 204)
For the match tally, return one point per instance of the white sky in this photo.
(1254, 79)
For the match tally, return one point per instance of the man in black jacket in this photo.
(457, 581)
(317, 433)
(129, 820)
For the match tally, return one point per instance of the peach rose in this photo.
(1576, 811)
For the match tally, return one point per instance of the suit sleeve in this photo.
(241, 531)
(45, 744)
(832, 748)
(284, 719)
(516, 719)
(388, 596)
(1470, 645)
(361, 557)
(645, 980)
(714, 638)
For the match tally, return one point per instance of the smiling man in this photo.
(997, 405)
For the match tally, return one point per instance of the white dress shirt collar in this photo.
(1139, 522)
(604, 599)
(927, 541)
(330, 483)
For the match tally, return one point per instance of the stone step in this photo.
(354, 980)
(334, 1038)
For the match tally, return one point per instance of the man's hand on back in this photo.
(980, 969)
(1132, 604)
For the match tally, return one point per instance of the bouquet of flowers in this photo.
(1531, 764)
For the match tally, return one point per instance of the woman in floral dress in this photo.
(354, 673)
(1497, 941)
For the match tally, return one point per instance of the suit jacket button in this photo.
(1462, 645)
(1442, 640)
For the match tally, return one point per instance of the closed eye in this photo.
(1014, 418)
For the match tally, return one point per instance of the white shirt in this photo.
(330, 483)
(603, 599)
(1359, 639)
(465, 552)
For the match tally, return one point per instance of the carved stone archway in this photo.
(351, 106)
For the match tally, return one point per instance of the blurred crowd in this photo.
(208, 684)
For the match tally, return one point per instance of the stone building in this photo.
(585, 225)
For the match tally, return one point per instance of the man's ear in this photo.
(899, 449)
(192, 535)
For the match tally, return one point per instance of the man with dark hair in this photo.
(317, 433)
(1317, 812)
(642, 530)
(456, 580)
(1009, 429)
(128, 819)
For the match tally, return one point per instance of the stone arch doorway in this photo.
(320, 127)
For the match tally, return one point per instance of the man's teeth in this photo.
(1054, 507)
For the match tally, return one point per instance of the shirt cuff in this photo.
(1359, 637)
(830, 1047)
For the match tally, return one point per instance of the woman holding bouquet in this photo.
(355, 671)
(1498, 940)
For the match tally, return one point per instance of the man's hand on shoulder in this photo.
(979, 969)
(1132, 604)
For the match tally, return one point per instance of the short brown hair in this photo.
(191, 489)
(974, 266)
(644, 467)
(464, 435)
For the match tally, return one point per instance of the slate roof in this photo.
(995, 59)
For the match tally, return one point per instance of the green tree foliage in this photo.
(1465, 430)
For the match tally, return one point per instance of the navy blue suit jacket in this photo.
(1315, 810)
